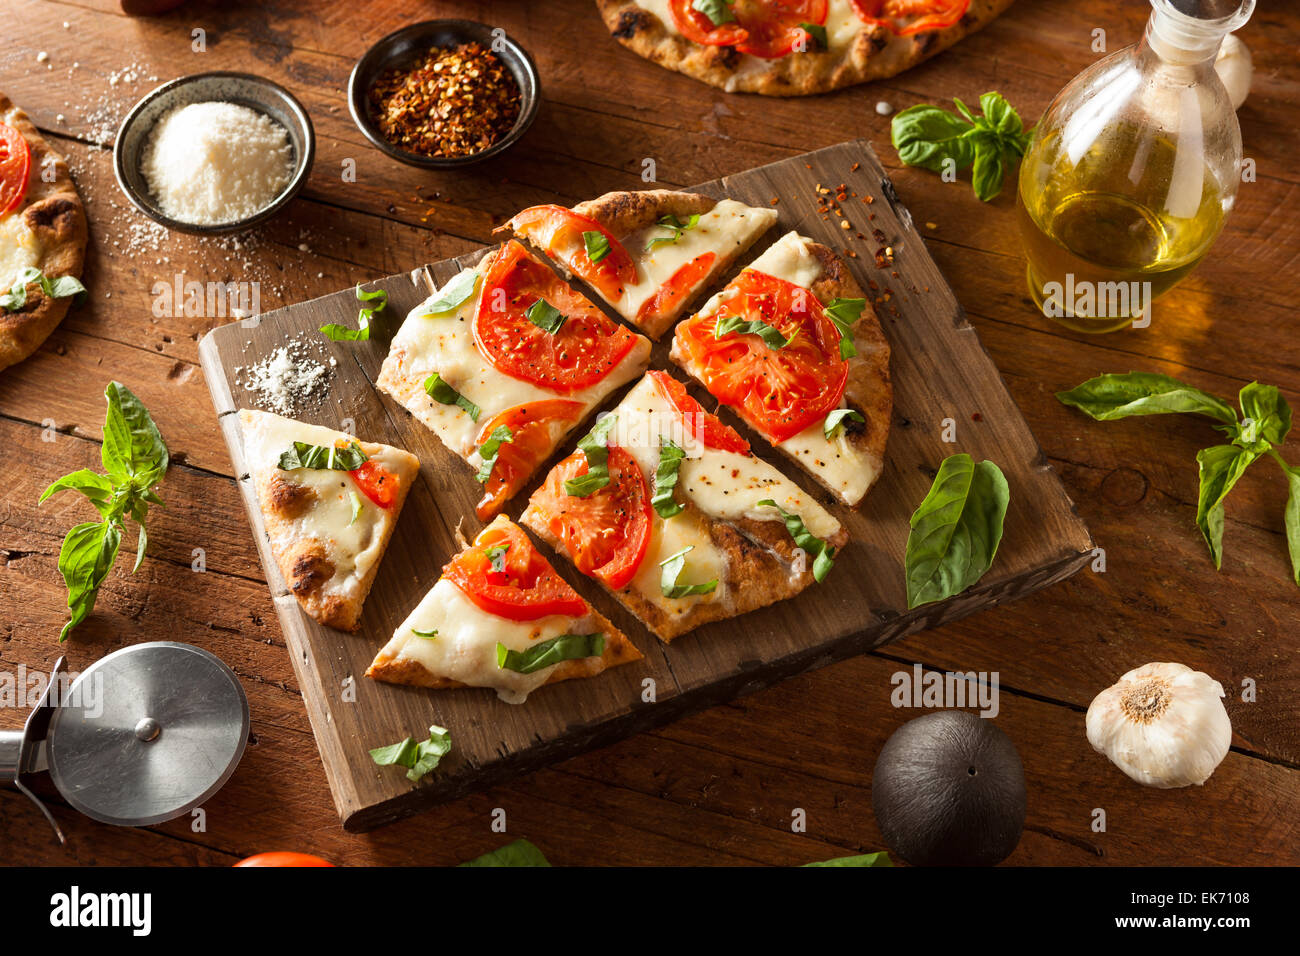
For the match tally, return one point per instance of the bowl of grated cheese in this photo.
(214, 152)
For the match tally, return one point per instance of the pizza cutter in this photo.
(143, 735)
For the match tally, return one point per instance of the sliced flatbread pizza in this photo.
(505, 360)
(792, 346)
(500, 617)
(646, 253)
(329, 503)
(665, 506)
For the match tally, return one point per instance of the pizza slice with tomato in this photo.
(645, 253)
(666, 507)
(500, 617)
(792, 346)
(793, 47)
(329, 503)
(504, 361)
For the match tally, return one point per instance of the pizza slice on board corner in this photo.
(665, 506)
(500, 617)
(645, 253)
(329, 502)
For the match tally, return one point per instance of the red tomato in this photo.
(558, 231)
(376, 482)
(778, 391)
(536, 426)
(282, 858)
(15, 164)
(906, 17)
(607, 533)
(526, 589)
(680, 286)
(579, 354)
(764, 28)
(705, 428)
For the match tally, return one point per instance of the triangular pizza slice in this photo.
(500, 617)
(329, 503)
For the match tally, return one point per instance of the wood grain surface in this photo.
(718, 787)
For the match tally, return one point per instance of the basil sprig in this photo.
(57, 288)
(489, 449)
(718, 11)
(670, 460)
(518, 853)
(823, 554)
(356, 507)
(341, 333)
(418, 757)
(672, 569)
(595, 445)
(818, 34)
(845, 314)
(955, 530)
(545, 316)
(135, 459)
(566, 647)
(933, 138)
(452, 295)
(597, 244)
(1264, 425)
(349, 457)
(428, 635)
(878, 859)
(771, 337)
(678, 227)
(444, 394)
(836, 419)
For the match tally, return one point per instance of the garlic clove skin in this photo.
(1163, 724)
(1235, 69)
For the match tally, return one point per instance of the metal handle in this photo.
(18, 747)
(11, 755)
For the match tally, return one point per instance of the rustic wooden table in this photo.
(721, 787)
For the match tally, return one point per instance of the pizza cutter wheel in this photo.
(143, 735)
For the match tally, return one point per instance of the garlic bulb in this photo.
(1162, 724)
(1235, 69)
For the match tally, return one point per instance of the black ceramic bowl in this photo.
(403, 48)
(255, 92)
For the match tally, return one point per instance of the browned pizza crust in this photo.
(54, 212)
(874, 54)
(760, 571)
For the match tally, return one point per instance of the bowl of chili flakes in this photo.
(444, 93)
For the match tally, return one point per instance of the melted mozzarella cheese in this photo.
(789, 258)
(728, 226)
(353, 545)
(445, 344)
(19, 249)
(704, 562)
(842, 23)
(465, 647)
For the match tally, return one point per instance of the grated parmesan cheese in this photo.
(285, 380)
(213, 163)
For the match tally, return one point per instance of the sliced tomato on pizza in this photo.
(504, 361)
(500, 617)
(645, 253)
(664, 505)
(792, 346)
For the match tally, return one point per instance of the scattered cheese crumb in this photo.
(883, 108)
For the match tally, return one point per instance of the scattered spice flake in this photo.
(977, 417)
(855, 167)
(931, 225)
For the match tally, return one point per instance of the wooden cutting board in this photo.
(946, 387)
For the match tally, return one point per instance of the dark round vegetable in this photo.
(949, 790)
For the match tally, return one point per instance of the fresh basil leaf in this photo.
(341, 333)
(1109, 397)
(818, 34)
(928, 136)
(1292, 516)
(965, 111)
(444, 394)
(956, 530)
(349, 457)
(58, 288)
(62, 287)
(545, 316)
(771, 337)
(566, 647)
(845, 314)
(678, 227)
(452, 295)
(400, 754)
(419, 758)
(518, 853)
(497, 556)
(489, 449)
(595, 446)
(597, 244)
(356, 507)
(867, 859)
(670, 460)
(86, 557)
(1220, 468)
(836, 419)
(987, 176)
(718, 11)
(1000, 115)
(823, 554)
(672, 569)
(133, 449)
(98, 488)
(1265, 406)
(427, 635)
(142, 539)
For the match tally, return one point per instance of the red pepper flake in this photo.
(977, 417)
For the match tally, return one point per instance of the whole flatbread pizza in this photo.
(793, 47)
(42, 236)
